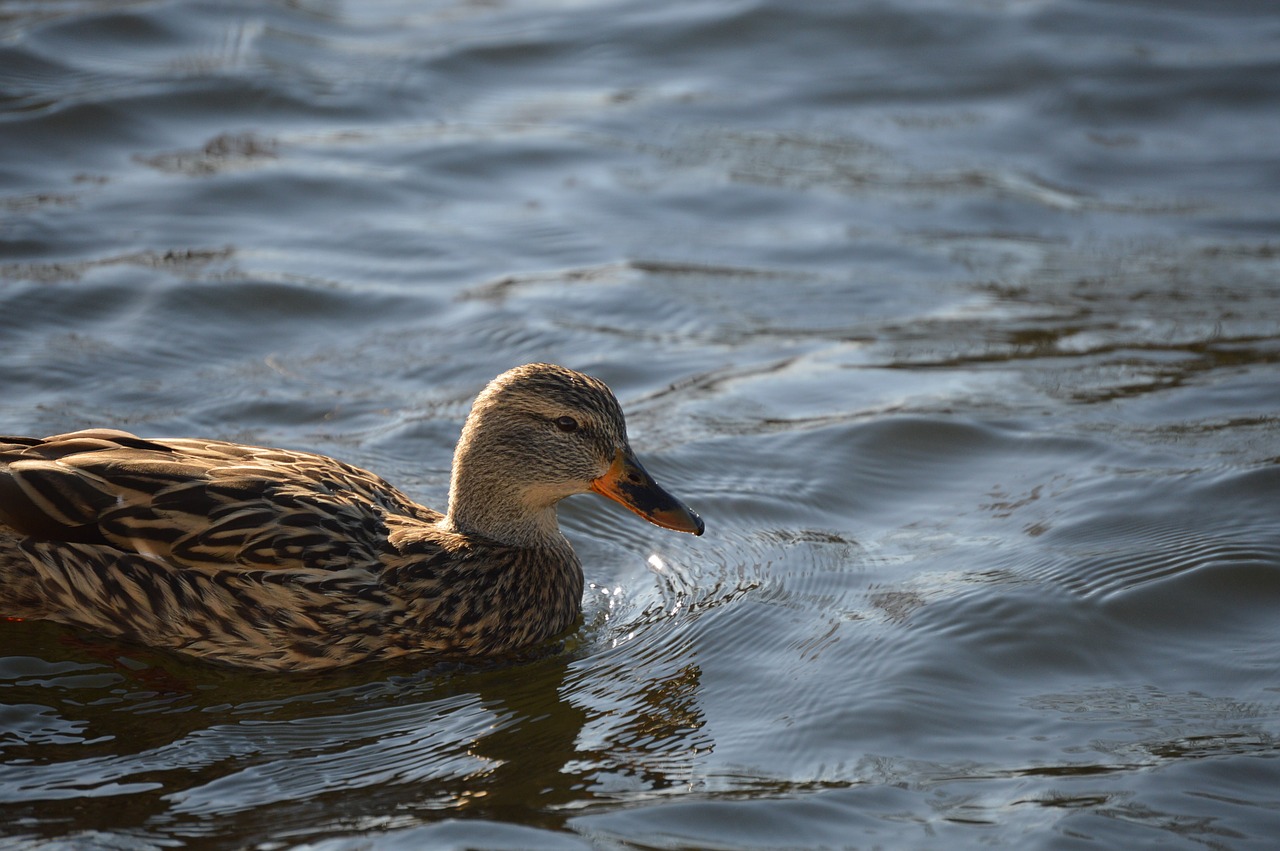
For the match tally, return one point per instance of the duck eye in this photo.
(567, 424)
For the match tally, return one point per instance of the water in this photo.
(958, 323)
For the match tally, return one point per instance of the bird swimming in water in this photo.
(290, 561)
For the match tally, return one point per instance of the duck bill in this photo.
(628, 483)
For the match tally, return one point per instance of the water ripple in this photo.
(956, 322)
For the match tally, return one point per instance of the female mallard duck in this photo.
(280, 560)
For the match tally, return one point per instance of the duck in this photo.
(284, 560)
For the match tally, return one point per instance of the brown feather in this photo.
(282, 560)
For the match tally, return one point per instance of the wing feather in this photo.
(199, 504)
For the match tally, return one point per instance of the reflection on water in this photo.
(958, 324)
(188, 746)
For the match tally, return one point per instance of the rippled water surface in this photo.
(957, 321)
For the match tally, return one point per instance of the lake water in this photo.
(958, 322)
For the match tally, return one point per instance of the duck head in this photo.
(537, 434)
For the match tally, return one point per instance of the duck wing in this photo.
(199, 504)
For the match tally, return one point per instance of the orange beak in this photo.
(627, 482)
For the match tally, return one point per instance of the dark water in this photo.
(958, 322)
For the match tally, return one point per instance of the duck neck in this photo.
(489, 507)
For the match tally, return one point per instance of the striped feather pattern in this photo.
(281, 560)
(259, 557)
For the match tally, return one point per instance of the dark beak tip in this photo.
(628, 483)
(680, 518)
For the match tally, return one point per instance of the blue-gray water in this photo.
(957, 321)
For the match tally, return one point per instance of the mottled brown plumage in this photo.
(282, 560)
